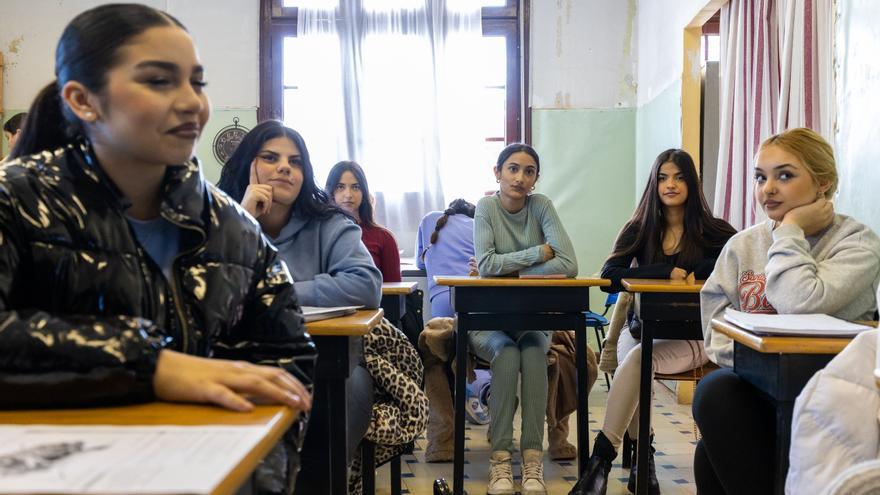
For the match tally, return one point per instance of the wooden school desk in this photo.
(394, 299)
(668, 309)
(514, 304)
(409, 269)
(780, 368)
(328, 425)
(277, 418)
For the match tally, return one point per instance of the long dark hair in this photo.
(365, 210)
(701, 229)
(88, 49)
(516, 148)
(456, 207)
(235, 175)
(14, 123)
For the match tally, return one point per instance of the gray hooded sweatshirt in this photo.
(767, 270)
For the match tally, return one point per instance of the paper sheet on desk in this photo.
(812, 325)
(120, 459)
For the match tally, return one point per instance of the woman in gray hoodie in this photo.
(804, 258)
(271, 175)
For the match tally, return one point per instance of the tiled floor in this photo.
(674, 440)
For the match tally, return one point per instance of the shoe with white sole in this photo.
(533, 473)
(500, 474)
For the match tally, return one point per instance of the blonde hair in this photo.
(813, 151)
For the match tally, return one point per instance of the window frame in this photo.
(278, 22)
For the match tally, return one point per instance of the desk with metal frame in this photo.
(667, 309)
(779, 367)
(394, 299)
(514, 304)
(328, 425)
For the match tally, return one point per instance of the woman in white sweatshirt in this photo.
(828, 437)
(804, 259)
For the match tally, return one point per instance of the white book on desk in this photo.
(315, 313)
(811, 325)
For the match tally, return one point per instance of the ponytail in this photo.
(46, 127)
(457, 207)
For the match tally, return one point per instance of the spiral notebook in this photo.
(811, 325)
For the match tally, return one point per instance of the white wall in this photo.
(226, 32)
(660, 43)
(582, 54)
(857, 142)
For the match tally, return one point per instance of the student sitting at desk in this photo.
(671, 234)
(517, 232)
(271, 174)
(347, 187)
(804, 259)
(449, 257)
(12, 130)
(109, 237)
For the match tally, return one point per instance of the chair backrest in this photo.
(611, 300)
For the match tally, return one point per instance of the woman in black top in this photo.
(672, 234)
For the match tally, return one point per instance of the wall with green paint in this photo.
(587, 170)
(658, 127)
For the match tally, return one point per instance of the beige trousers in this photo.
(669, 356)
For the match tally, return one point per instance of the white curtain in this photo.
(389, 84)
(776, 73)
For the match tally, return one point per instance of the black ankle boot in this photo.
(441, 487)
(594, 480)
(653, 484)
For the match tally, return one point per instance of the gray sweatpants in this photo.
(512, 354)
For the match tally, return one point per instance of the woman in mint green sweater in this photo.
(518, 233)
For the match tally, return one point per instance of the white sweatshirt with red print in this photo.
(767, 270)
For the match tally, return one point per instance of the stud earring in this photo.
(498, 181)
(89, 115)
(533, 188)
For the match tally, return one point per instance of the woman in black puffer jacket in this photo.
(124, 276)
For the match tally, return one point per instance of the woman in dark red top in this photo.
(347, 185)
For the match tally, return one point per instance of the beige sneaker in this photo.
(500, 474)
(533, 473)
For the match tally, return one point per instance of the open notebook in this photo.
(314, 313)
(812, 325)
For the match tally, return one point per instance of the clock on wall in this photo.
(228, 139)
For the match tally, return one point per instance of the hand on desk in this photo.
(184, 378)
(472, 268)
(681, 274)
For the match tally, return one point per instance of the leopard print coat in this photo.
(400, 410)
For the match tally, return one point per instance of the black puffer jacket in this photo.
(84, 312)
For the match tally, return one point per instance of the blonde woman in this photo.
(805, 258)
